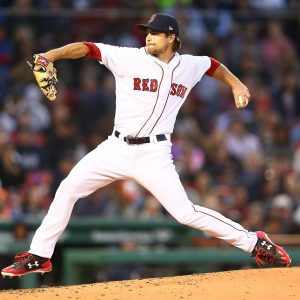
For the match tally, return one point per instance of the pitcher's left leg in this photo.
(161, 179)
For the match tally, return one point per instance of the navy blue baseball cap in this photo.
(162, 23)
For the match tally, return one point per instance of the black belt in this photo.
(131, 140)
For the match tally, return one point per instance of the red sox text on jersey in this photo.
(151, 85)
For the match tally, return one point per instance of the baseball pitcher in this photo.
(152, 83)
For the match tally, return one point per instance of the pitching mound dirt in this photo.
(244, 284)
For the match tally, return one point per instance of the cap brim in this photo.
(144, 27)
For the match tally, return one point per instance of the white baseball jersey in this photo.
(149, 94)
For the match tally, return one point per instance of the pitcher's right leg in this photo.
(97, 169)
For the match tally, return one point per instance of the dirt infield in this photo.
(242, 285)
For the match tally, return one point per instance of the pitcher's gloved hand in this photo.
(45, 75)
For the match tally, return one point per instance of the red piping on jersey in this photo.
(94, 51)
(213, 67)
(155, 100)
(218, 219)
(166, 99)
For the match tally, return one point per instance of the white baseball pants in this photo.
(151, 165)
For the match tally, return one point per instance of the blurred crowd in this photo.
(243, 163)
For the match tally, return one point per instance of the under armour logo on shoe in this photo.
(36, 263)
(268, 246)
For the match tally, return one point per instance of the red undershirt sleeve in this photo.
(94, 52)
(213, 67)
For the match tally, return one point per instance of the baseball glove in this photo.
(45, 75)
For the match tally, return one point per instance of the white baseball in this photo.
(241, 101)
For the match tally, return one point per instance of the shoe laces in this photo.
(264, 256)
(21, 257)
